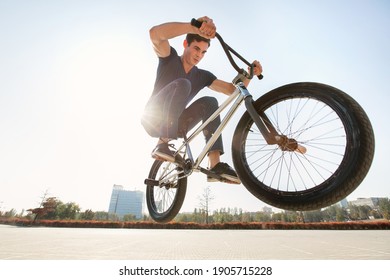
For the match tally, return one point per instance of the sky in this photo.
(75, 76)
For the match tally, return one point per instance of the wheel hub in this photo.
(286, 144)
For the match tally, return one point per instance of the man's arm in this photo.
(225, 87)
(222, 86)
(228, 88)
(160, 34)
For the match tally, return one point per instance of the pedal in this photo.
(151, 182)
(212, 174)
(218, 177)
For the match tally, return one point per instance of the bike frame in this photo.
(237, 97)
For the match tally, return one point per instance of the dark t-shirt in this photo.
(171, 68)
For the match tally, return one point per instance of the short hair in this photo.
(195, 37)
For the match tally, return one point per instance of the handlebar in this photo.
(229, 51)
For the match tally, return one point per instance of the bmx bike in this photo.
(299, 147)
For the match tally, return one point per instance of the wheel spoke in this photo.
(324, 147)
(165, 199)
(312, 124)
(164, 195)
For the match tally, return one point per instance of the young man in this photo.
(178, 80)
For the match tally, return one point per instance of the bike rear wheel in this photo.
(338, 143)
(165, 199)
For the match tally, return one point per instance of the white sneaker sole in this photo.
(229, 179)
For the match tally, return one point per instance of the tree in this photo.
(183, 218)
(384, 207)
(129, 218)
(364, 212)
(334, 213)
(52, 208)
(10, 214)
(222, 216)
(46, 210)
(67, 211)
(361, 212)
(87, 215)
(262, 217)
(341, 214)
(290, 216)
(313, 216)
(277, 217)
(197, 216)
(247, 217)
(101, 216)
(204, 202)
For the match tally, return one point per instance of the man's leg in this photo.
(214, 158)
(164, 110)
(201, 110)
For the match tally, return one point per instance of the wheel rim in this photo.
(162, 197)
(313, 125)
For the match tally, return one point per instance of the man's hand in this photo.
(208, 28)
(257, 69)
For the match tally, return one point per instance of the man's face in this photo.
(194, 52)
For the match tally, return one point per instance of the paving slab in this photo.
(41, 243)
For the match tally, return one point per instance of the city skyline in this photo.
(75, 77)
(359, 201)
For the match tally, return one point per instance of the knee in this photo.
(211, 102)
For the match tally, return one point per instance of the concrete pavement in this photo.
(20, 243)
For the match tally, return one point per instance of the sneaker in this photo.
(163, 153)
(226, 172)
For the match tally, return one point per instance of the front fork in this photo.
(266, 127)
(262, 122)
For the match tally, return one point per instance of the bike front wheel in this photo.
(336, 143)
(165, 198)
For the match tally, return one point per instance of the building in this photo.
(342, 203)
(125, 202)
(373, 202)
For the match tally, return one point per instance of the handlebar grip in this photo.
(260, 77)
(196, 23)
